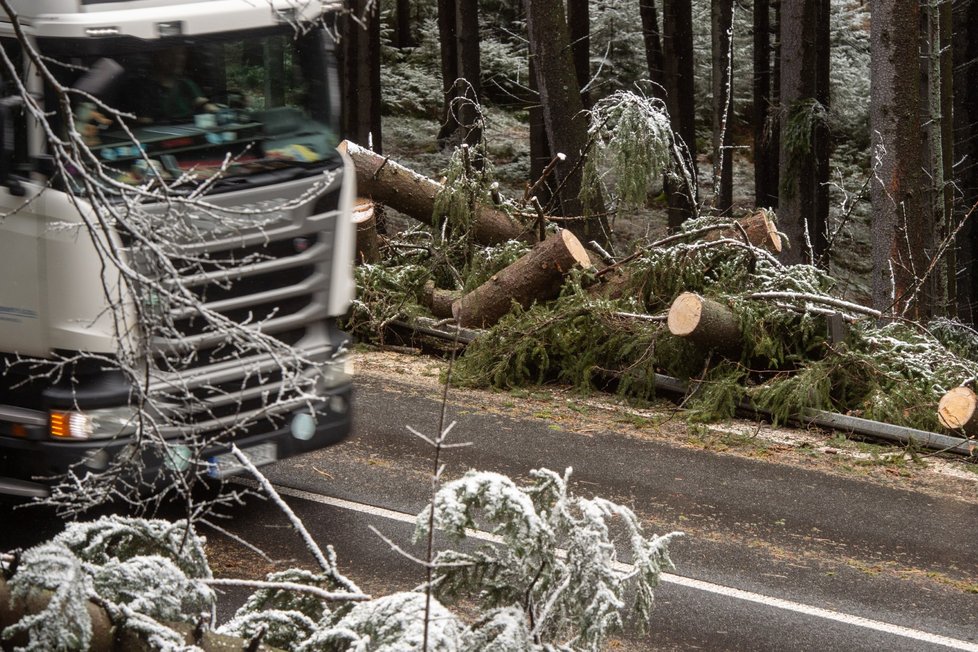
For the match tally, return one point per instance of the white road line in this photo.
(669, 578)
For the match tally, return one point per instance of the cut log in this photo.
(390, 183)
(368, 242)
(706, 322)
(958, 410)
(439, 301)
(536, 276)
(761, 232)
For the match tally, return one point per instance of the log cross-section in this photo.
(536, 276)
(394, 185)
(958, 410)
(706, 322)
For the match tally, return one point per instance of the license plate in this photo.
(225, 464)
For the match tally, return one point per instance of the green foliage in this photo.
(632, 142)
(384, 294)
(798, 125)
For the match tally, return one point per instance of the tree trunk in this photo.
(965, 122)
(536, 276)
(705, 322)
(439, 301)
(653, 46)
(449, 66)
(360, 51)
(579, 25)
(387, 182)
(721, 26)
(936, 92)
(765, 192)
(368, 242)
(470, 70)
(677, 48)
(803, 194)
(899, 245)
(563, 113)
(540, 153)
(403, 38)
(761, 232)
(958, 410)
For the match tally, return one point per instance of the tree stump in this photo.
(536, 276)
(439, 301)
(958, 410)
(368, 242)
(390, 183)
(706, 322)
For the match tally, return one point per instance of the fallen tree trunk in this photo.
(439, 301)
(536, 276)
(761, 232)
(958, 410)
(106, 637)
(390, 183)
(706, 322)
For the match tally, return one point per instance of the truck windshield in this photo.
(236, 106)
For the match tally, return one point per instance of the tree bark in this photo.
(368, 242)
(705, 322)
(765, 187)
(965, 122)
(403, 38)
(563, 113)
(652, 39)
(449, 66)
(760, 230)
(898, 236)
(470, 70)
(803, 194)
(958, 410)
(677, 48)
(579, 25)
(536, 276)
(387, 182)
(360, 85)
(438, 300)
(721, 26)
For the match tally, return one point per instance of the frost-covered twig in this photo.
(328, 596)
(818, 298)
(327, 564)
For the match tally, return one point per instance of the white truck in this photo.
(239, 99)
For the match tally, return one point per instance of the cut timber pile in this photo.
(387, 182)
(958, 410)
(536, 276)
(704, 321)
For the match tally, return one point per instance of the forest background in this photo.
(630, 121)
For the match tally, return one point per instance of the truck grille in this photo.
(277, 283)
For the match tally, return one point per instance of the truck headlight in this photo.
(92, 424)
(336, 371)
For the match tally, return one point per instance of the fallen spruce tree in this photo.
(745, 326)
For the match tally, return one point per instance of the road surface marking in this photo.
(666, 578)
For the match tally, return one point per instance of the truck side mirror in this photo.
(8, 145)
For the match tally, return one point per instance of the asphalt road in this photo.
(776, 557)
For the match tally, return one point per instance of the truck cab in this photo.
(175, 238)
